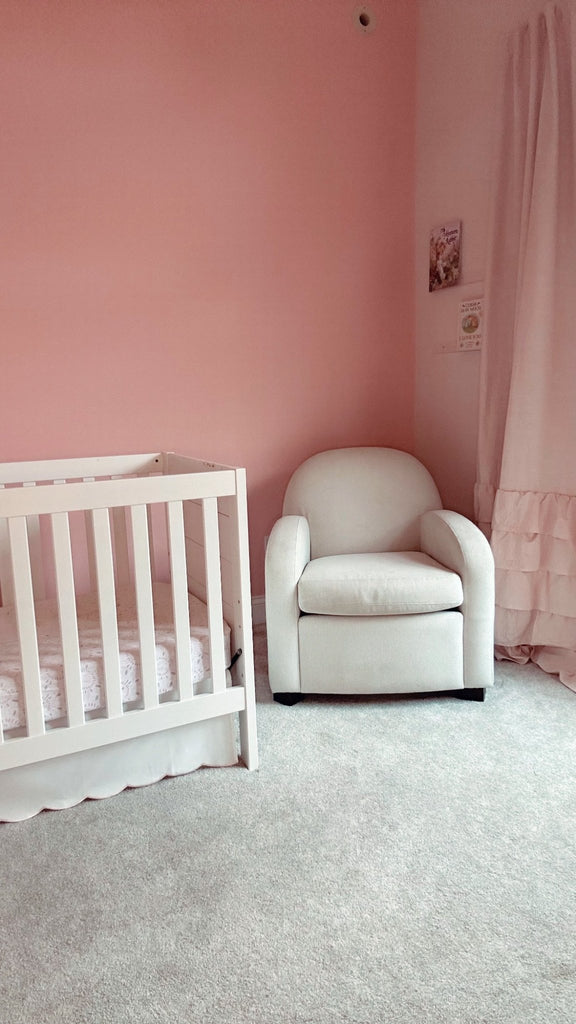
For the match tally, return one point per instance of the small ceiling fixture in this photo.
(364, 19)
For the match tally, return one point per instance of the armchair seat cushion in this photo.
(381, 583)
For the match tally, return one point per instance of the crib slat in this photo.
(35, 549)
(90, 541)
(121, 559)
(144, 604)
(153, 559)
(107, 603)
(214, 593)
(26, 619)
(6, 591)
(177, 546)
(68, 620)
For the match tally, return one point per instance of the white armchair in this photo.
(371, 587)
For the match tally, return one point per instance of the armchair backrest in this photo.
(361, 500)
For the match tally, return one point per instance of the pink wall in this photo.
(206, 217)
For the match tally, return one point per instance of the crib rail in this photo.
(46, 499)
(80, 469)
(119, 513)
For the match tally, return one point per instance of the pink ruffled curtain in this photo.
(526, 483)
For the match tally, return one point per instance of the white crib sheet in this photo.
(51, 668)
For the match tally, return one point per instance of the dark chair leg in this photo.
(471, 693)
(289, 698)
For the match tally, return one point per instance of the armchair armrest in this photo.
(460, 545)
(287, 554)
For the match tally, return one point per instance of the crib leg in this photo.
(247, 717)
(248, 739)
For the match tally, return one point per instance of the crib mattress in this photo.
(12, 708)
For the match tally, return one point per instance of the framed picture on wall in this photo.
(444, 255)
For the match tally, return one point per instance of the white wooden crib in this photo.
(125, 626)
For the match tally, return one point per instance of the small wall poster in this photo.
(444, 255)
(470, 321)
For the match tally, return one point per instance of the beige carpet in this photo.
(406, 859)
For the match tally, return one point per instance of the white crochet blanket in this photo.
(51, 668)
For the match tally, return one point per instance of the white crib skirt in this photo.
(62, 782)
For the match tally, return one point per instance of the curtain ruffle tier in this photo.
(534, 543)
